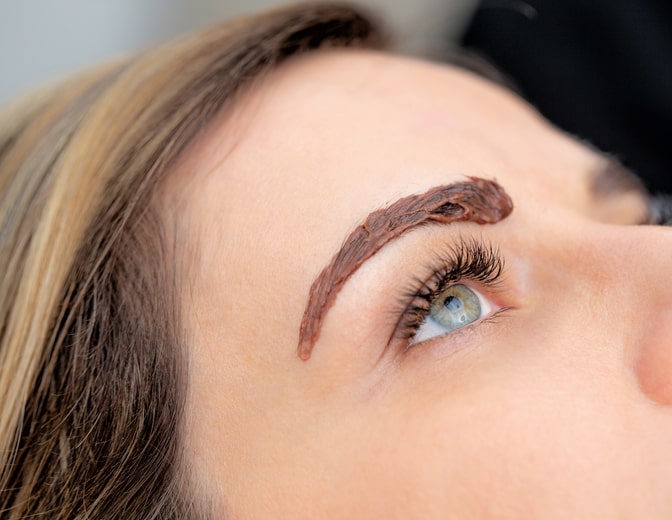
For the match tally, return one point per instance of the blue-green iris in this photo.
(455, 307)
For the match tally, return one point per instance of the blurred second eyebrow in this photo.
(613, 178)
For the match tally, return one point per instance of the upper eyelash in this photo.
(469, 259)
(659, 210)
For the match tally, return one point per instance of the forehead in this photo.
(328, 138)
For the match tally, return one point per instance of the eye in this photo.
(660, 210)
(446, 301)
(455, 307)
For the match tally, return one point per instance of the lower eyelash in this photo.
(469, 259)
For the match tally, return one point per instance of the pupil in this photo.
(453, 304)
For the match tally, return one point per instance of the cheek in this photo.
(501, 443)
(480, 435)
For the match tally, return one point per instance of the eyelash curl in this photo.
(470, 259)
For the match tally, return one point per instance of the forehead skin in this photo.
(334, 136)
(271, 190)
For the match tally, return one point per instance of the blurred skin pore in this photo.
(558, 408)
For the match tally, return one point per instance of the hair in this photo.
(92, 352)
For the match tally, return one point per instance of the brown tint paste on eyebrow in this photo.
(478, 200)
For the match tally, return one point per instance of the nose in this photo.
(640, 262)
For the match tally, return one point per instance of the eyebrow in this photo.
(612, 178)
(477, 200)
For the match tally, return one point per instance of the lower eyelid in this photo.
(464, 339)
(470, 336)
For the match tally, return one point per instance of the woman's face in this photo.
(436, 389)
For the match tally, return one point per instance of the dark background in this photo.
(600, 69)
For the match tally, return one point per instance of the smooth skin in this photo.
(559, 407)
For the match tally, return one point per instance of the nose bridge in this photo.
(637, 258)
(605, 289)
(628, 271)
